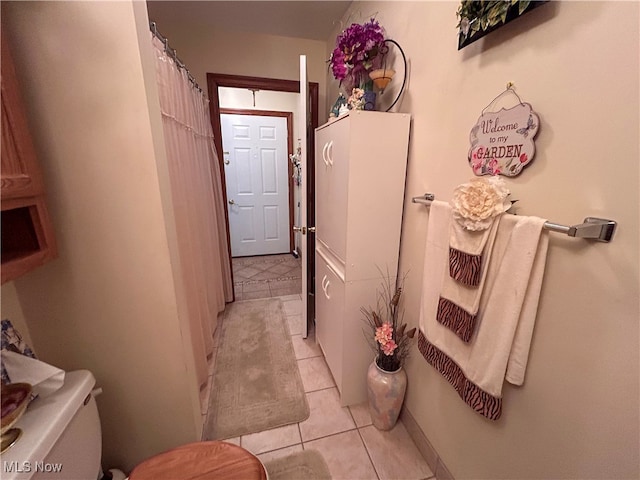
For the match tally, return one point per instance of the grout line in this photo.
(307, 358)
(333, 435)
(302, 442)
(279, 448)
(368, 453)
(321, 389)
(352, 417)
(300, 433)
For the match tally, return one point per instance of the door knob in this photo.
(302, 230)
(232, 202)
(226, 162)
(311, 229)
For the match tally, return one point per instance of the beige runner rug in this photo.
(307, 465)
(256, 383)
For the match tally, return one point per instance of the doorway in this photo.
(214, 82)
(259, 181)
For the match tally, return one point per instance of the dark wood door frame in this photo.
(289, 118)
(215, 80)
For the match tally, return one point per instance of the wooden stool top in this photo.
(201, 461)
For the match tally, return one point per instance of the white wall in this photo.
(577, 415)
(207, 50)
(108, 303)
(264, 100)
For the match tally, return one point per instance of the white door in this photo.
(255, 157)
(303, 113)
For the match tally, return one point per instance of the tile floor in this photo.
(352, 447)
(266, 276)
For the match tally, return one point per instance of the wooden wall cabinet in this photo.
(27, 233)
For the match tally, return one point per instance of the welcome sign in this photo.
(502, 142)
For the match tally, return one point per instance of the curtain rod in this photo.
(172, 53)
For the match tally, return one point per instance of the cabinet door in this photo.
(27, 234)
(330, 291)
(20, 172)
(332, 172)
(321, 179)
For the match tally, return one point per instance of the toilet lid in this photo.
(202, 461)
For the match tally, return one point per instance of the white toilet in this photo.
(61, 435)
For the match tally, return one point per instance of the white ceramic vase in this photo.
(386, 395)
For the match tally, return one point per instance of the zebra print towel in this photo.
(501, 345)
(459, 301)
(466, 249)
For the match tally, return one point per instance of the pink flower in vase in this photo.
(384, 334)
(389, 347)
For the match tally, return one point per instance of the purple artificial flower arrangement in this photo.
(359, 49)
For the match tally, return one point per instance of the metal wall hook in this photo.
(507, 90)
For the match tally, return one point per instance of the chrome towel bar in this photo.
(599, 229)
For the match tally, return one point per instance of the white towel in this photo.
(506, 313)
(43, 378)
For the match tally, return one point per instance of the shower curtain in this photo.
(196, 191)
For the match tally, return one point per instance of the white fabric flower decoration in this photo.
(477, 202)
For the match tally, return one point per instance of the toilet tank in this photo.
(61, 437)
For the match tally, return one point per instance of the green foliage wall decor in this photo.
(476, 18)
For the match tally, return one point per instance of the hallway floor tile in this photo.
(351, 446)
(266, 276)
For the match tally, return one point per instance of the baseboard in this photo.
(434, 461)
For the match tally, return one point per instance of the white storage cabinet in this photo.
(361, 161)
